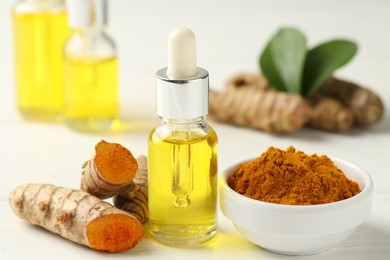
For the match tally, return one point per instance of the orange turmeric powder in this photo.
(293, 178)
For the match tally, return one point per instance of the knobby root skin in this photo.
(329, 114)
(77, 216)
(110, 171)
(135, 199)
(249, 100)
(266, 110)
(247, 79)
(365, 105)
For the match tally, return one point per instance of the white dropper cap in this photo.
(182, 54)
(182, 88)
(87, 13)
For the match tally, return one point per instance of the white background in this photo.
(230, 36)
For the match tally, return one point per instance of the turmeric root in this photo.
(135, 199)
(329, 114)
(77, 216)
(249, 100)
(270, 111)
(132, 192)
(254, 80)
(109, 171)
(365, 105)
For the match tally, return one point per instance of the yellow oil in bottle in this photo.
(182, 186)
(91, 94)
(38, 42)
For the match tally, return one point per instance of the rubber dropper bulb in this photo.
(182, 54)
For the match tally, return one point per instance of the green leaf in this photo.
(322, 60)
(282, 60)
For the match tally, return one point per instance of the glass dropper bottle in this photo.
(91, 69)
(182, 150)
(40, 28)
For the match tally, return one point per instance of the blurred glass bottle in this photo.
(91, 69)
(40, 30)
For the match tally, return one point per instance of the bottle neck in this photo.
(87, 13)
(45, 1)
(195, 121)
(182, 121)
(188, 129)
(37, 6)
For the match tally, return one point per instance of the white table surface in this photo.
(230, 36)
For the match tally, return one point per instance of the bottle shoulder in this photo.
(89, 45)
(182, 133)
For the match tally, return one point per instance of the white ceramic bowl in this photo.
(293, 229)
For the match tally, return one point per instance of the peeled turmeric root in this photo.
(366, 106)
(254, 105)
(77, 216)
(109, 171)
(135, 199)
